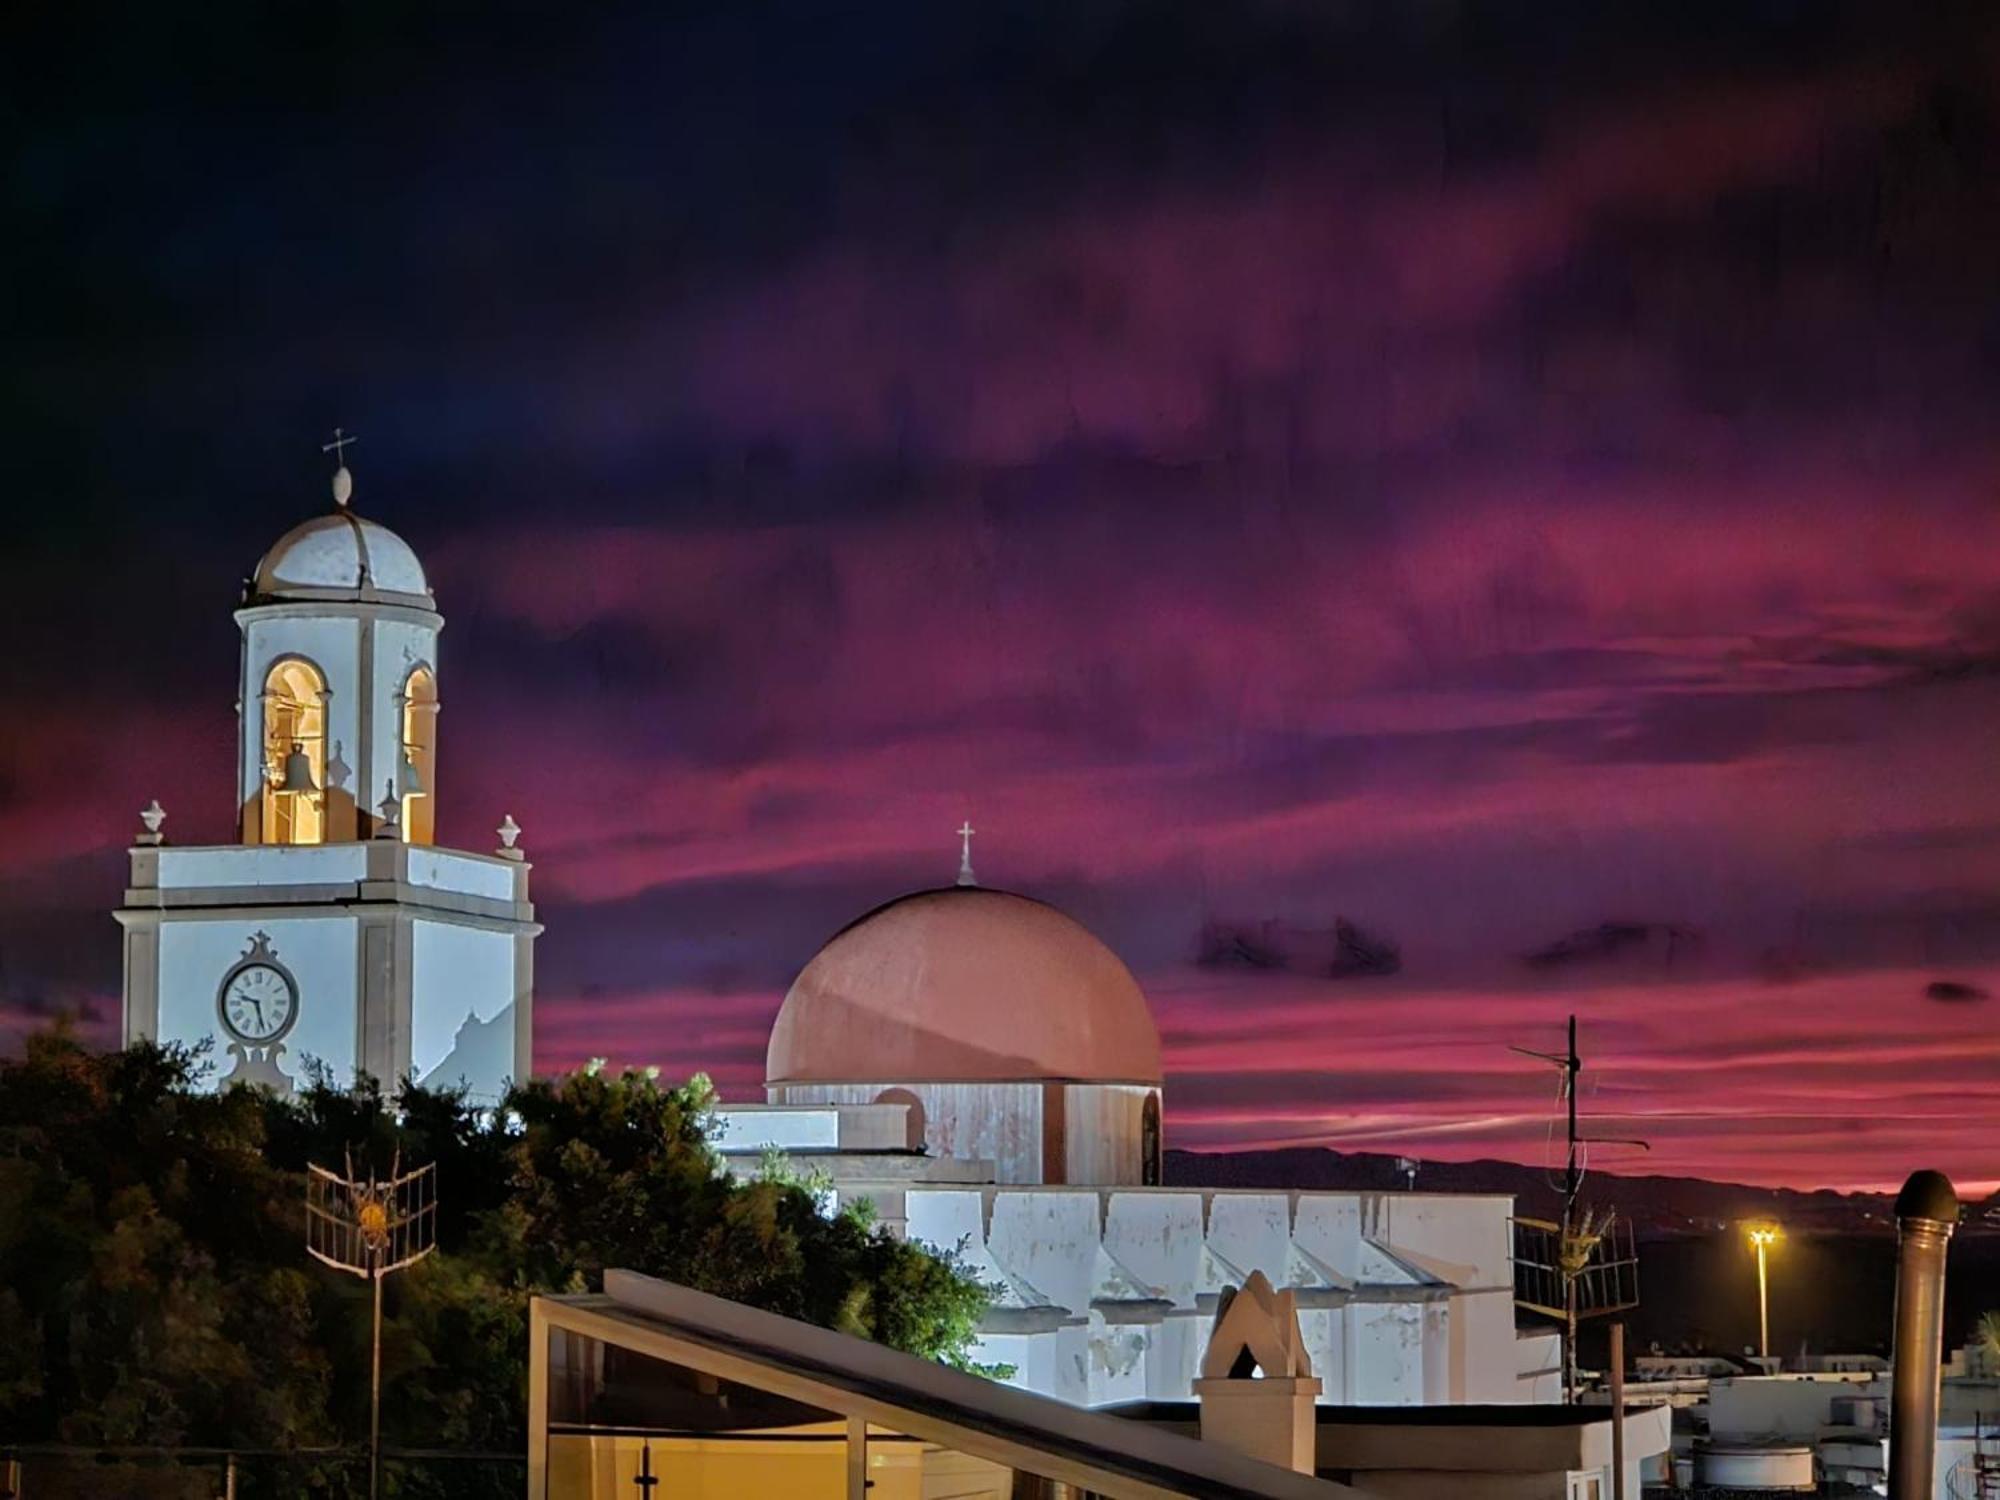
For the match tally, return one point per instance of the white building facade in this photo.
(1108, 1295)
(986, 1073)
(334, 930)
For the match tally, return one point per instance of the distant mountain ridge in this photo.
(1656, 1205)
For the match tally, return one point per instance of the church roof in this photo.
(964, 984)
(341, 556)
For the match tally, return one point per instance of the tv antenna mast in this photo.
(369, 1228)
(1585, 1265)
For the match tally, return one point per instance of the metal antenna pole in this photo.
(375, 1393)
(369, 1228)
(1585, 1245)
(1617, 1363)
(1572, 1186)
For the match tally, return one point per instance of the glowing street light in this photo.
(1763, 1236)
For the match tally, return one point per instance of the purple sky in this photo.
(1523, 488)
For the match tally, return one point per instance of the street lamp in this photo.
(1763, 1236)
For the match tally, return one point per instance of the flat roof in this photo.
(1460, 1415)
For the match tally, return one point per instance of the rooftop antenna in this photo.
(1586, 1265)
(369, 1228)
(965, 833)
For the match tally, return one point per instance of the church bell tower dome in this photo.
(341, 556)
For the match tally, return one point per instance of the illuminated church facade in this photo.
(334, 928)
(987, 1074)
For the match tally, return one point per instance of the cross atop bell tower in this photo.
(965, 875)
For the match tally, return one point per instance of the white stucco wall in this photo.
(1787, 1406)
(1385, 1354)
(320, 952)
(1464, 1239)
(1538, 1364)
(1387, 1331)
(742, 1130)
(448, 870)
(1032, 1359)
(400, 645)
(996, 1122)
(1158, 1236)
(1103, 1132)
(1050, 1238)
(1103, 1124)
(222, 866)
(459, 973)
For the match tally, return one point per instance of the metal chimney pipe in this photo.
(1617, 1363)
(1926, 1214)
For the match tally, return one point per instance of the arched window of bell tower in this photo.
(293, 800)
(416, 782)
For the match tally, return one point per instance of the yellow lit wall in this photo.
(804, 1463)
(420, 709)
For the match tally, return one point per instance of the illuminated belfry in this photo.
(339, 700)
(335, 929)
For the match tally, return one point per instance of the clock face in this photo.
(259, 1003)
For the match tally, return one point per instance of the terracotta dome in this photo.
(341, 556)
(964, 985)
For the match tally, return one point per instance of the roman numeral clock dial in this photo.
(258, 1000)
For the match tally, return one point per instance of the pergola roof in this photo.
(861, 1380)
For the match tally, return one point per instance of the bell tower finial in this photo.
(965, 875)
(343, 482)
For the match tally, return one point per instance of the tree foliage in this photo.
(154, 1288)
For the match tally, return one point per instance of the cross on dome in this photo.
(965, 875)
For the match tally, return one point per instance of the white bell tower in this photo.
(335, 929)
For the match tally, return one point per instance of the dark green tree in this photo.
(154, 1288)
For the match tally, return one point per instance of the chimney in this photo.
(1926, 1214)
(1257, 1391)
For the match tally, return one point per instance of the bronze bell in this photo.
(298, 777)
(411, 780)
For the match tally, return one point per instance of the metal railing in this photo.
(52, 1471)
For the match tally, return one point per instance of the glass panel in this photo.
(901, 1467)
(618, 1418)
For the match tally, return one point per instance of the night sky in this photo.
(1519, 480)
